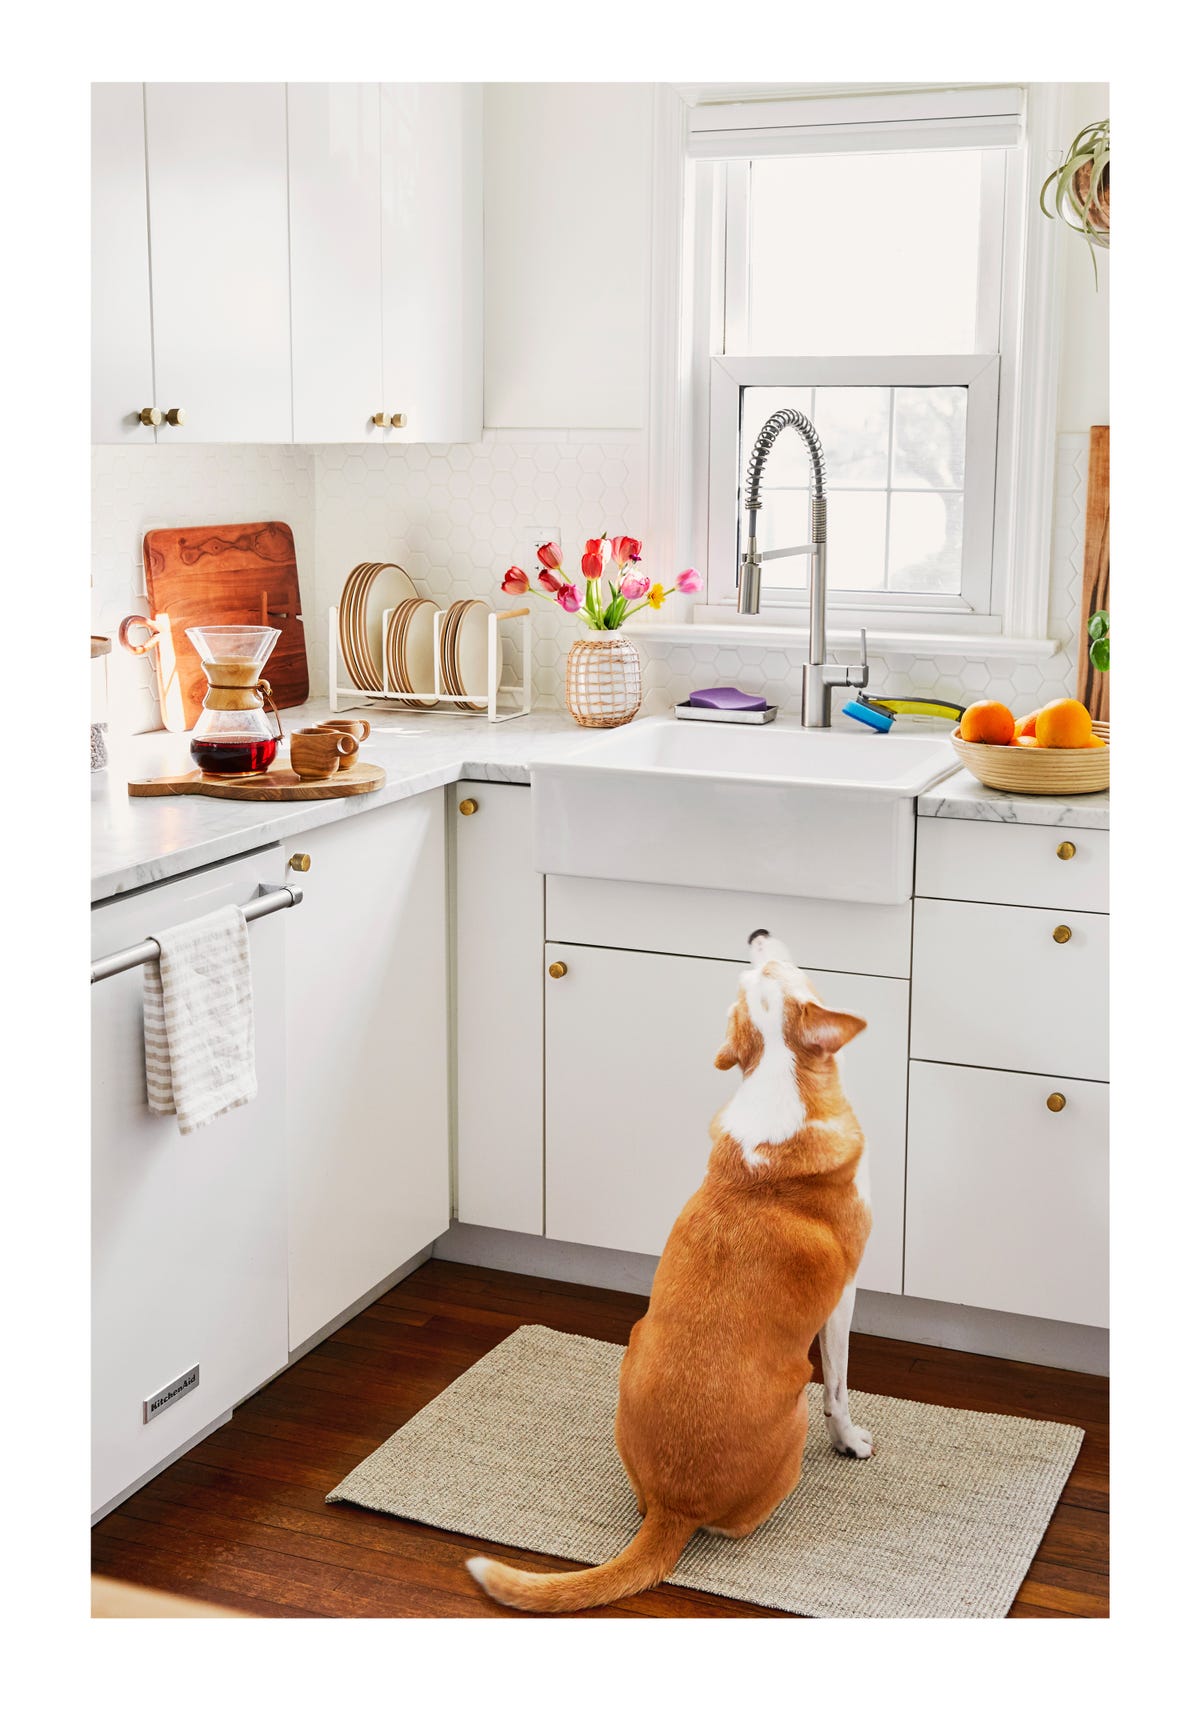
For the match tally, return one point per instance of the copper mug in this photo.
(358, 728)
(318, 753)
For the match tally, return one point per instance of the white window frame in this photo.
(692, 379)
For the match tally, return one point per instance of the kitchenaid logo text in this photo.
(154, 1404)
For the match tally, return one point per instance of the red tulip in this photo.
(568, 597)
(515, 581)
(690, 582)
(626, 550)
(548, 580)
(550, 555)
(596, 554)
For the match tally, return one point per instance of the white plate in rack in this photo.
(471, 654)
(410, 650)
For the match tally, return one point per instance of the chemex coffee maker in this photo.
(233, 733)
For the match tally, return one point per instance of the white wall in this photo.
(1083, 380)
(566, 254)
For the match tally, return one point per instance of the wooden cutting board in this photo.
(277, 784)
(225, 573)
(1091, 686)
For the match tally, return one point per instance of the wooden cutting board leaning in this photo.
(226, 573)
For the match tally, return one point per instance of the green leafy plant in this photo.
(1098, 632)
(1081, 189)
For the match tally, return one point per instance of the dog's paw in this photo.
(850, 1440)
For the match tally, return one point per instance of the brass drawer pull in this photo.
(1065, 851)
(299, 863)
(468, 805)
(556, 970)
(150, 417)
(1056, 1102)
(1061, 934)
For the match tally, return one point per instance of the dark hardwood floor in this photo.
(242, 1521)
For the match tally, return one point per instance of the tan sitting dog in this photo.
(712, 1414)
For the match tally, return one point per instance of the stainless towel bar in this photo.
(270, 900)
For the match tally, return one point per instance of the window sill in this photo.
(921, 644)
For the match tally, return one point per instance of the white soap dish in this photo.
(726, 715)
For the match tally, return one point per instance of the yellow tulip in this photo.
(656, 596)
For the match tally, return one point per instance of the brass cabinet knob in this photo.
(468, 805)
(1061, 934)
(1065, 851)
(379, 419)
(299, 863)
(176, 418)
(1056, 1102)
(556, 970)
(150, 417)
(399, 420)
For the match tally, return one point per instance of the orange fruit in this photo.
(1064, 724)
(1026, 742)
(1096, 742)
(1025, 725)
(987, 721)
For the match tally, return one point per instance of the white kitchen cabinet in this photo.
(334, 191)
(122, 357)
(218, 203)
(189, 1243)
(367, 1084)
(1008, 1198)
(631, 1090)
(432, 238)
(498, 1009)
(1010, 988)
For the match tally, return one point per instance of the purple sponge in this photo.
(727, 700)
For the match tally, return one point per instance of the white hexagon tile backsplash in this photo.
(456, 516)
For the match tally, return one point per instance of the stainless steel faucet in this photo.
(818, 678)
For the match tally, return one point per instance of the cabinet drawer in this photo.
(992, 986)
(1007, 1203)
(974, 861)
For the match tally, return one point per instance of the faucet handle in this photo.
(858, 678)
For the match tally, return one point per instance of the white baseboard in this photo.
(1040, 1341)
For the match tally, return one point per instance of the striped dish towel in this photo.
(198, 1020)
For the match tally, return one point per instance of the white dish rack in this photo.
(441, 700)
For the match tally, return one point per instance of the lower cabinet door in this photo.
(631, 1090)
(1007, 1197)
(189, 1242)
(367, 1093)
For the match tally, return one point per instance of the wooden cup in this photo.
(358, 728)
(318, 753)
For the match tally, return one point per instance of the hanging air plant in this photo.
(1081, 189)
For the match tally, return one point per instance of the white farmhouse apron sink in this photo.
(773, 808)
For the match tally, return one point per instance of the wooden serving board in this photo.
(278, 784)
(1091, 686)
(224, 573)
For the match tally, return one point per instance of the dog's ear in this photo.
(742, 1046)
(827, 1029)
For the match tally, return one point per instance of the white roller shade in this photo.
(935, 118)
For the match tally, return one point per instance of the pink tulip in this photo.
(690, 582)
(596, 554)
(568, 597)
(626, 550)
(515, 581)
(635, 587)
(548, 580)
(550, 555)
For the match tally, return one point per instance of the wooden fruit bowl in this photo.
(1036, 771)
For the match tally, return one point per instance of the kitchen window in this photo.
(869, 259)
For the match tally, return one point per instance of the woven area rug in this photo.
(943, 1520)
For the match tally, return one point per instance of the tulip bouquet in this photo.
(617, 560)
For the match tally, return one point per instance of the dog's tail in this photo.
(645, 1560)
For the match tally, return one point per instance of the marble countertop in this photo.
(139, 842)
(961, 796)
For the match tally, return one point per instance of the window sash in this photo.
(872, 121)
(980, 375)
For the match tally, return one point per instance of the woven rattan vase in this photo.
(604, 680)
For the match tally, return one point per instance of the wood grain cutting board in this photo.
(1091, 686)
(225, 573)
(277, 784)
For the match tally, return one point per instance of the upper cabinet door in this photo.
(432, 136)
(122, 364)
(334, 188)
(217, 173)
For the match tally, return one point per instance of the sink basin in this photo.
(772, 808)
